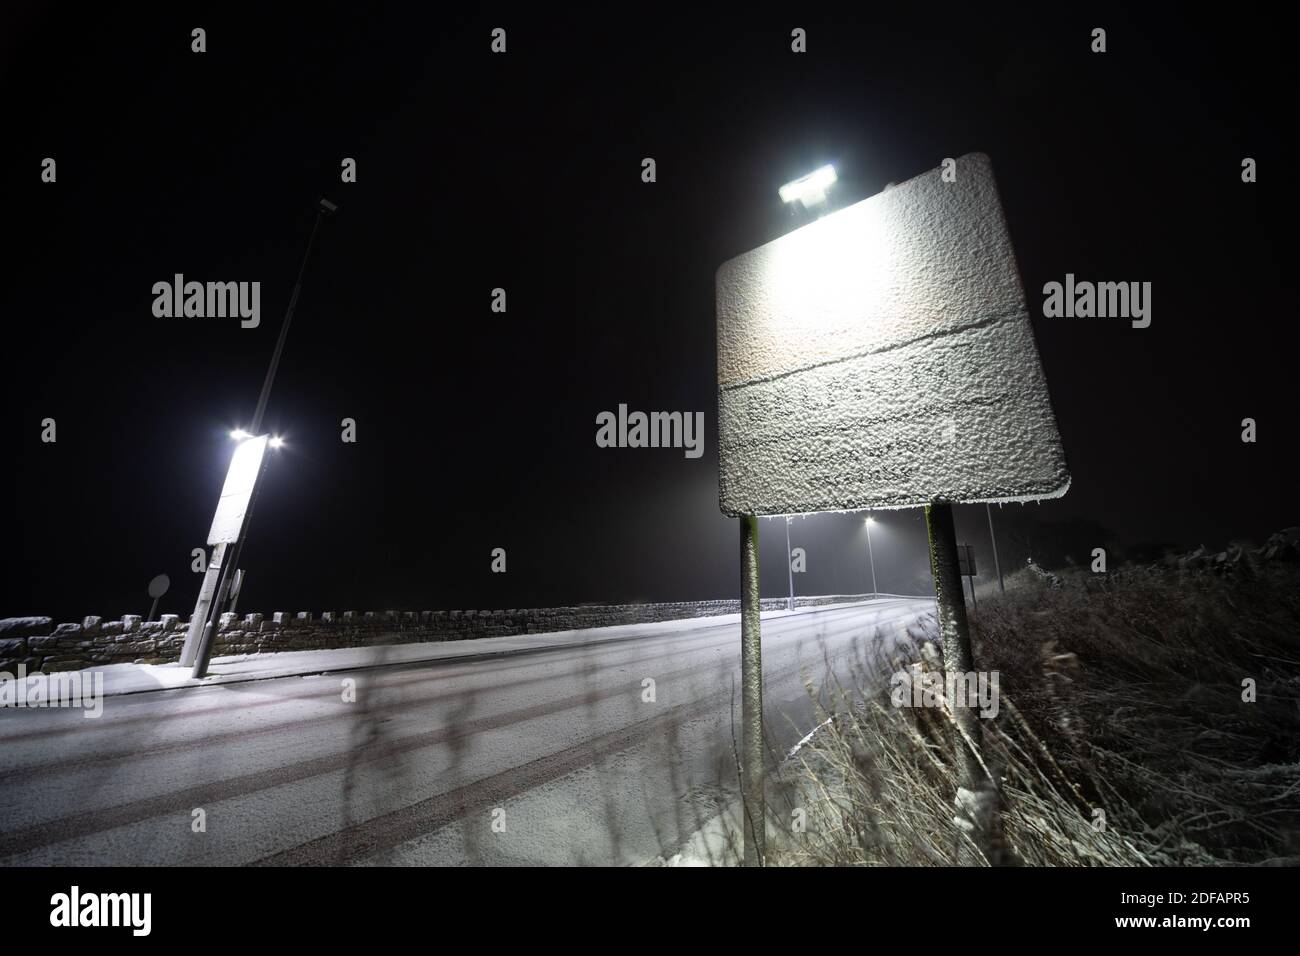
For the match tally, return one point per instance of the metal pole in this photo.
(207, 591)
(203, 651)
(789, 561)
(152, 611)
(751, 698)
(997, 567)
(958, 658)
(256, 427)
(871, 555)
(203, 655)
(207, 636)
(236, 586)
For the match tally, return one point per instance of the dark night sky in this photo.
(476, 430)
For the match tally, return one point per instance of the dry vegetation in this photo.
(1121, 693)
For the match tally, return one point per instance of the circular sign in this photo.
(159, 585)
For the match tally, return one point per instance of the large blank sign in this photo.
(882, 357)
(241, 479)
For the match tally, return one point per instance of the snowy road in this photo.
(558, 756)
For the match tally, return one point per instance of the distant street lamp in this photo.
(874, 593)
(789, 562)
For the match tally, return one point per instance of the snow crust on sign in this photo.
(882, 357)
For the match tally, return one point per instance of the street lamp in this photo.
(871, 556)
(809, 190)
(275, 441)
(789, 563)
(218, 579)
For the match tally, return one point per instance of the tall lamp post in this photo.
(872, 558)
(789, 562)
(213, 593)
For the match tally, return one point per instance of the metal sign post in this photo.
(157, 588)
(958, 657)
(236, 585)
(751, 698)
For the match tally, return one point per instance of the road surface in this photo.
(568, 755)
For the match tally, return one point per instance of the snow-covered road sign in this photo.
(237, 492)
(882, 357)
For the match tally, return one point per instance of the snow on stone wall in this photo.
(883, 357)
(40, 644)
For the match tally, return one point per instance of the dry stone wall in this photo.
(42, 645)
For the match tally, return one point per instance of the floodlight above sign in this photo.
(241, 479)
(882, 357)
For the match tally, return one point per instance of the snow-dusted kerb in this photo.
(883, 357)
(42, 645)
